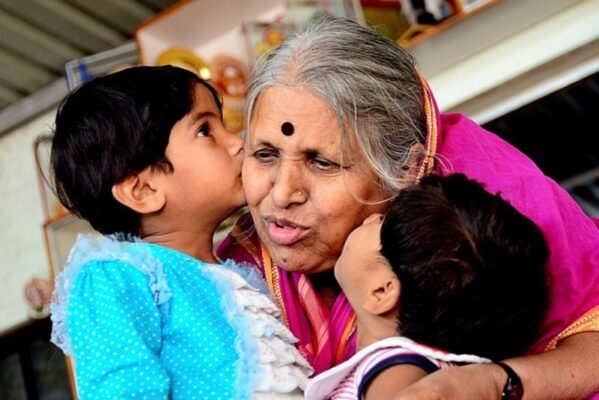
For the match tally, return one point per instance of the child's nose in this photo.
(235, 145)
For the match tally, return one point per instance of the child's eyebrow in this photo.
(203, 114)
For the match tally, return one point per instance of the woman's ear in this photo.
(416, 153)
(383, 295)
(140, 192)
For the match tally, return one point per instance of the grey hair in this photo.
(370, 84)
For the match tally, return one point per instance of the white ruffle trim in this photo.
(276, 368)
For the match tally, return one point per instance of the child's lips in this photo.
(284, 232)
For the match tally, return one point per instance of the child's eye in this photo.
(204, 130)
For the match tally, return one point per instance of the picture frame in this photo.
(50, 205)
(466, 6)
(263, 36)
(83, 69)
(60, 235)
(302, 11)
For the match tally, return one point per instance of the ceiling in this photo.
(37, 37)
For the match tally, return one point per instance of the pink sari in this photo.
(325, 335)
(454, 144)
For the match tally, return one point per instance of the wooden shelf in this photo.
(455, 19)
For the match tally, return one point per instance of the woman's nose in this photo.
(287, 185)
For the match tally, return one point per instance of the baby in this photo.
(450, 271)
(147, 311)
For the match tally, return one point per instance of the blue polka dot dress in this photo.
(143, 321)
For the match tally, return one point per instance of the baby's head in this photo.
(460, 269)
(143, 141)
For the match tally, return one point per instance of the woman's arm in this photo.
(571, 371)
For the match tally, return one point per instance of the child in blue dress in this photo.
(146, 310)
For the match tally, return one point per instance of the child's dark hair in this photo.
(112, 127)
(471, 268)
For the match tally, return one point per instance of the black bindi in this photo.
(287, 128)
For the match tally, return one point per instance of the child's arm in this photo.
(114, 327)
(392, 380)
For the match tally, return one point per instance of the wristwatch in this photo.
(513, 389)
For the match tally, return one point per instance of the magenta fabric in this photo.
(573, 237)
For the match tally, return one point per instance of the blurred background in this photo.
(527, 70)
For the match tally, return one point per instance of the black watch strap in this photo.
(513, 389)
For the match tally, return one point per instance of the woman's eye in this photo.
(325, 165)
(265, 155)
(204, 130)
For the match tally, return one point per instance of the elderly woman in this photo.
(339, 121)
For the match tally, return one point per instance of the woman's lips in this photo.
(284, 232)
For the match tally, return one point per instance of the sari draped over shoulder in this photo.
(454, 144)
(462, 146)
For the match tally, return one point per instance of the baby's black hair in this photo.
(471, 267)
(112, 127)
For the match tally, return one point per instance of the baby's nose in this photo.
(373, 218)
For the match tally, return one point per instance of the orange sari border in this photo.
(271, 274)
(348, 331)
(589, 322)
(430, 112)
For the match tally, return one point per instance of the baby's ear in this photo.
(383, 295)
(140, 192)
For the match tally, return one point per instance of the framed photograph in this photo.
(261, 37)
(469, 5)
(304, 10)
(60, 234)
(50, 204)
(83, 69)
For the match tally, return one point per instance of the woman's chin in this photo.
(293, 260)
(287, 259)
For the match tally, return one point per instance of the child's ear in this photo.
(383, 296)
(140, 192)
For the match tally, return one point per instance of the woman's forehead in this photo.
(292, 114)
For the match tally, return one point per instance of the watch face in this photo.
(513, 391)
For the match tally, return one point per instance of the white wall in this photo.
(22, 251)
(473, 67)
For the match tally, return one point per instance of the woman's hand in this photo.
(476, 382)
(571, 371)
